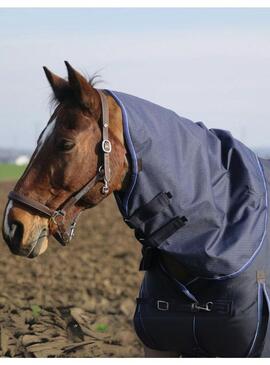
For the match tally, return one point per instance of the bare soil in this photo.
(75, 301)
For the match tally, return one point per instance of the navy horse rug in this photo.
(200, 196)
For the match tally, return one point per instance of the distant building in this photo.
(21, 160)
(10, 155)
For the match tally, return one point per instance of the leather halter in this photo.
(57, 217)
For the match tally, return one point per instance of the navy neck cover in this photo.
(215, 181)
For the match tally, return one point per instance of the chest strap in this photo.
(151, 242)
(172, 305)
(149, 210)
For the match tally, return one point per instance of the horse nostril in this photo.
(16, 234)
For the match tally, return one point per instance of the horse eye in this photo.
(65, 145)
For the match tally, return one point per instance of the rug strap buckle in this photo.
(207, 307)
(162, 305)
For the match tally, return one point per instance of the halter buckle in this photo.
(106, 146)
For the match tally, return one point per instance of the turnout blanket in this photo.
(216, 182)
(199, 195)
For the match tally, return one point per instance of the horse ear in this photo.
(82, 89)
(59, 85)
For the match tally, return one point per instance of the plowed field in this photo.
(75, 301)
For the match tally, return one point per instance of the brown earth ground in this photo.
(75, 301)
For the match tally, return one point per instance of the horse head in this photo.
(79, 160)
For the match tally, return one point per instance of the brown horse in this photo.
(79, 160)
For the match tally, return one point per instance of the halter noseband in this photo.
(57, 216)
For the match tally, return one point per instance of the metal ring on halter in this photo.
(105, 188)
(57, 213)
(106, 146)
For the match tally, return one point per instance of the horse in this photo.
(195, 198)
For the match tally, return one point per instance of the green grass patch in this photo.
(36, 310)
(102, 327)
(10, 172)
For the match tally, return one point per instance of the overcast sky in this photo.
(210, 65)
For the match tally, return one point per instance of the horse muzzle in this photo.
(26, 235)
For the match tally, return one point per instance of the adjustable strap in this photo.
(149, 255)
(41, 208)
(76, 197)
(106, 144)
(172, 305)
(163, 233)
(149, 210)
(151, 243)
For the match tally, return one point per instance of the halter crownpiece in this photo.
(57, 217)
(106, 144)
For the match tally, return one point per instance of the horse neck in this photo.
(116, 125)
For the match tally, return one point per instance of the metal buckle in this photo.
(57, 213)
(162, 305)
(206, 307)
(72, 230)
(105, 188)
(106, 146)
